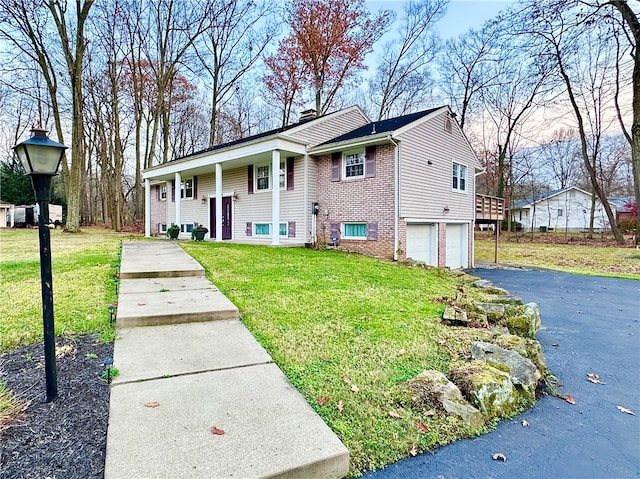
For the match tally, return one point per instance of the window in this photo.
(283, 229)
(263, 229)
(186, 189)
(354, 165)
(262, 177)
(186, 228)
(163, 228)
(354, 230)
(459, 177)
(560, 213)
(163, 192)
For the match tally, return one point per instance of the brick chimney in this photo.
(307, 115)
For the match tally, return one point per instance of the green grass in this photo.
(330, 318)
(11, 406)
(572, 258)
(83, 268)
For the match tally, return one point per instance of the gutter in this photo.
(396, 197)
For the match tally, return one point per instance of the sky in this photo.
(461, 14)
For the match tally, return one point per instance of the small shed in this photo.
(6, 214)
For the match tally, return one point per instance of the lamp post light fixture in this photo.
(41, 158)
(116, 282)
(108, 364)
(112, 309)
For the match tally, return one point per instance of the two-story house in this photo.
(398, 188)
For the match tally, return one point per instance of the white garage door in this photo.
(457, 246)
(422, 242)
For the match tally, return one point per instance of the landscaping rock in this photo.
(455, 316)
(523, 321)
(489, 287)
(522, 371)
(493, 311)
(487, 387)
(504, 299)
(433, 389)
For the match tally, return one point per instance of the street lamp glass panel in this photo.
(40, 155)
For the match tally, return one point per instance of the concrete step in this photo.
(269, 429)
(158, 301)
(174, 350)
(157, 259)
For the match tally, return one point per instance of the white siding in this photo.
(426, 189)
(335, 125)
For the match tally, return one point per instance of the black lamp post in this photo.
(41, 158)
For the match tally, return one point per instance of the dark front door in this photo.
(226, 217)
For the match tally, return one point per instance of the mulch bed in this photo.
(67, 437)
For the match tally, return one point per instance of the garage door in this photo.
(422, 243)
(457, 246)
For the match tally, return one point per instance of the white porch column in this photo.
(177, 196)
(147, 208)
(218, 225)
(275, 197)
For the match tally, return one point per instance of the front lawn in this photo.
(83, 267)
(348, 330)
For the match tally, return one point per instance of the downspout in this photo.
(396, 198)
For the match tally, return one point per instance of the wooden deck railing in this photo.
(489, 208)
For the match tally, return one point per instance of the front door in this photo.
(226, 217)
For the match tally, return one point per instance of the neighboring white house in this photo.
(564, 210)
(6, 215)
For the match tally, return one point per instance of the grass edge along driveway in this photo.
(348, 331)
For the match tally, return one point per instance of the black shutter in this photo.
(372, 231)
(250, 180)
(336, 166)
(173, 190)
(334, 232)
(290, 173)
(157, 192)
(249, 229)
(370, 162)
(291, 233)
(195, 187)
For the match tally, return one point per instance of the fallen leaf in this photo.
(340, 406)
(569, 399)
(217, 431)
(525, 423)
(171, 302)
(625, 410)
(367, 403)
(152, 404)
(414, 451)
(324, 359)
(594, 378)
(429, 412)
(442, 342)
(401, 409)
(498, 456)
(323, 400)
(394, 414)
(402, 352)
(354, 388)
(422, 426)
(346, 379)
(142, 304)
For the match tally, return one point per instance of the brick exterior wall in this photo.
(158, 210)
(363, 200)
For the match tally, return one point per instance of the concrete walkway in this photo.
(187, 365)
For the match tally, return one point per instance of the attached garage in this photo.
(422, 243)
(457, 249)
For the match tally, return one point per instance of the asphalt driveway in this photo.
(589, 325)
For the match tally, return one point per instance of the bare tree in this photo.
(402, 78)
(560, 35)
(231, 45)
(465, 69)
